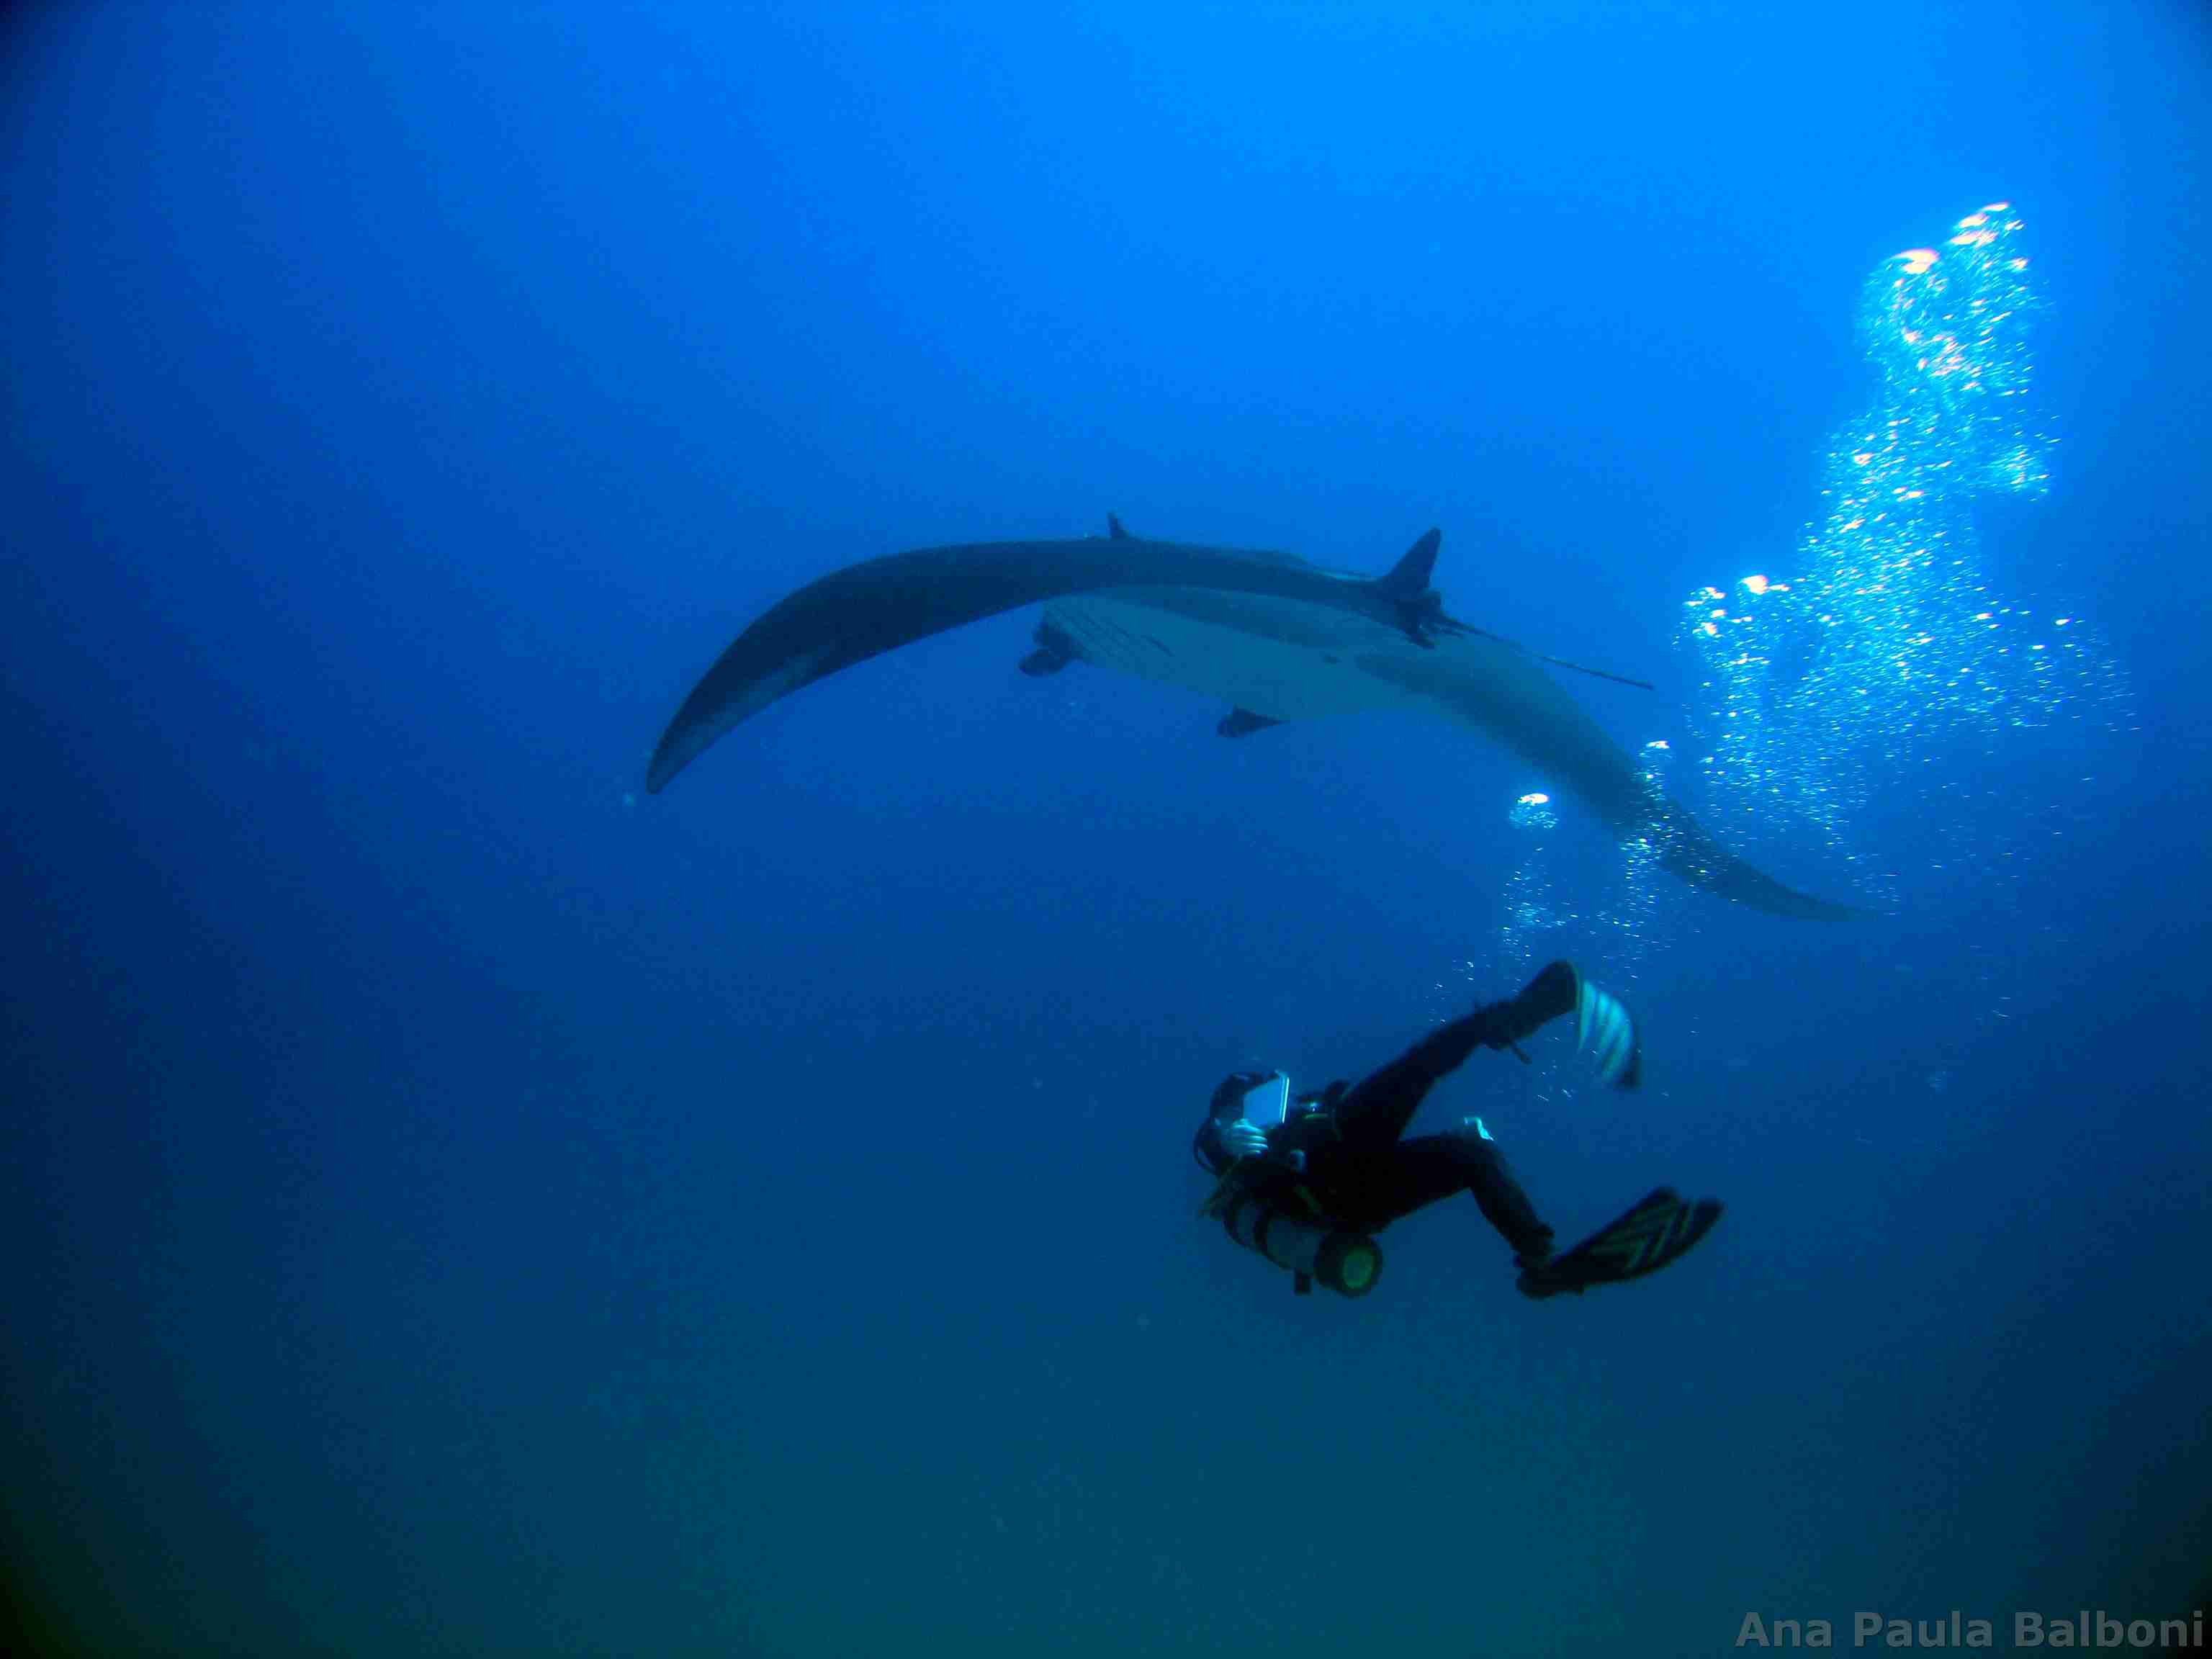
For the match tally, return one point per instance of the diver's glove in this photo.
(1244, 1139)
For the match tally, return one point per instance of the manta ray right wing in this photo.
(1273, 661)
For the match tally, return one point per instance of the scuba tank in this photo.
(1349, 1263)
(1302, 1243)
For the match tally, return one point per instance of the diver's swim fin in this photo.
(1649, 1237)
(1603, 1028)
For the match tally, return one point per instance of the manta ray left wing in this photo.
(882, 604)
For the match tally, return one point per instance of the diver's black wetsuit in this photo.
(1358, 1171)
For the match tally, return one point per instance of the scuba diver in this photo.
(1306, 1181)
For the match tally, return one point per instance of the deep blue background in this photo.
(451, 1206)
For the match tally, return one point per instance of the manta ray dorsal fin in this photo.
(1113, 529)
(1409, 577)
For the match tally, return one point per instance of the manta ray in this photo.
(1275, 637)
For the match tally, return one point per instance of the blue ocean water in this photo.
(455, 1201)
